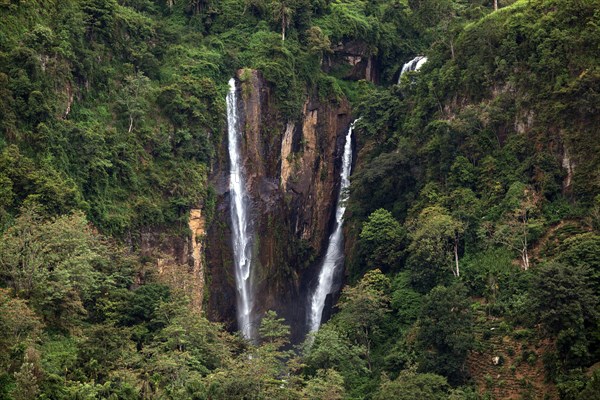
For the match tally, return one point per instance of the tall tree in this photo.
(363, 309)
(133, 97)
(441, 19)
(382, 241)
(273, 329)
(20, 328)
(282, 11)
(435, 237)
(327, 384)
(446, 332)
(519, 222)
(564, 301)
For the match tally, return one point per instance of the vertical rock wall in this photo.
(292, 173)
(180, 259)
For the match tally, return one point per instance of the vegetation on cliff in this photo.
(474, 206)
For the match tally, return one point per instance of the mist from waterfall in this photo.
(413, 65)
(334, 256)
(240, 224)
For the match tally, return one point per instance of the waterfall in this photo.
(240, 230)
(334, 257)
(413, 65)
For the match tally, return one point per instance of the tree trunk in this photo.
(130, 123)
(525, 243)
(368, 349)
(495, 5)
(525, 258)
(457, 272)
(283, 23)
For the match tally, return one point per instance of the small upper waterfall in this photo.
(240, 230)
(334, 257)
(413, 65)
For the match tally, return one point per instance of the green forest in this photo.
(474, 209)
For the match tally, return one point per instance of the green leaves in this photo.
(272, 330)
(21, 327)
(327, 384)
(410, 385)
(382, 241)
(434, 238)
(51, 263)
(446, 332)
(564, 301)
(520, 223)
(563, 297)
(133, 98)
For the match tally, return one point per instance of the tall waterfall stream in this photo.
(240, 222)
(334, 256)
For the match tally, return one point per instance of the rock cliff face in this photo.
(180, 258)
(292, 176)
(356, 58)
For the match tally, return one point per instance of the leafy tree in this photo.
(441, 19)
(272, 330)
(326, 385)
(105, 348)
(317, 41)
(385, 182)
(257, 373)
(404, 300)
(100, 17)
(282, 11)
(382, 241)
(462, 173)
(142, 306)
(434, 243)
(363, 309)
(592, 388)
(519, 223)
(564, 301)
(21, 329)
(27, 183)
(411, 385)
(207, 344)
(133, 97)
(488, 273)
(26, 379)
(52, 263)
(331, 349)
(582, 250)
(445, 333)
(466, 208)
(595, 213)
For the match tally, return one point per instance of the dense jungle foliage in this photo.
(474, 205)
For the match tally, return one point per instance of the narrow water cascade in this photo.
(334, 256)
(413, 65)
(240, 223)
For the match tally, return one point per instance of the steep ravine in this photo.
(292, 177)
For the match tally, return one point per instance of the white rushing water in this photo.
(240, 232)
(334, 257)
(413, 65)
